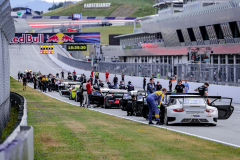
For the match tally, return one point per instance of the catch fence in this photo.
(222, 74)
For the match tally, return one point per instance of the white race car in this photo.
(195, 109)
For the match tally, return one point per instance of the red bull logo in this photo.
(53, 38)
(60, 38)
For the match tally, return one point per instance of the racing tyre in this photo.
(105, 106)
(145, 112)
(165, 118)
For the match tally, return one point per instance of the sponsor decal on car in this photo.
(195, 115)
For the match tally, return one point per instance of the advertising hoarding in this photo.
(87, 37)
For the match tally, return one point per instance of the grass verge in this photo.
(105, 31)
(143, 8)
(11, 123)
(63, 131)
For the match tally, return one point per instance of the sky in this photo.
(36, 4)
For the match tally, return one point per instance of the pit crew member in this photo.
(180, 88)
(151, 101)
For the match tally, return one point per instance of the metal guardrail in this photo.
(20, 141)
(75, 63)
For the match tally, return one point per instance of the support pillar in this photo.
(235, 69)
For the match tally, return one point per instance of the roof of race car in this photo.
(117, 91)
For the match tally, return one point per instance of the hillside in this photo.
(119, 8)
(105, 31)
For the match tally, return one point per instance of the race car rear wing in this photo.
(142, 92)
(117, 92)
(204, 97)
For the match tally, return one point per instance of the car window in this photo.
(192, 101)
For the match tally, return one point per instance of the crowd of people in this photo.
(155, 91)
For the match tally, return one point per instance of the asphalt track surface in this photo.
(28, 57)
(46, 25)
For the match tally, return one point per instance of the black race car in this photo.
(138, 103)
(96, 98)
(113, 97)
(123, 102)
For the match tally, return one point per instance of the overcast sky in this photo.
(36, 4)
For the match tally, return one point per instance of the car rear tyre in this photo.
(165, 118)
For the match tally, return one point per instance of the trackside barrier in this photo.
(70, 17)
(19, 144)
(214, 90)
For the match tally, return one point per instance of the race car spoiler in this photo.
(117, 92)
(142, 92)
(74, 83)
(205, 97)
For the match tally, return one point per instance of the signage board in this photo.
(28, 11)
(76, 16)
(80, 47)
(84, 37)
(97, 5)
(19, 13)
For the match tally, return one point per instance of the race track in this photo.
(28, 57)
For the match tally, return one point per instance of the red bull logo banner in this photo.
(87, 37)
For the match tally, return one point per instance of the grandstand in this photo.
(203, 34)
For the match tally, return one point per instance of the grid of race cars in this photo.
(175, 109)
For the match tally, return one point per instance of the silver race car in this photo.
(195, 109)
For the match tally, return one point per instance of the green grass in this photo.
(64, 131)
(105, 31)
(143, 8)
(11, 123)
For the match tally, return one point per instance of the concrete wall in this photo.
(214, 90)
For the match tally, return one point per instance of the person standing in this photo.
(89, 91)
(35, 82)
(107, 75)
(74, 72)
(92, 73)
(85, 96)
(74, 77)
(180, 88)
(187, 86)
(101, 84)
(144, 83)
(151, 101)
(115, 81)
(62, 75)
(158, 86)
(53, 83)
(25, 81)
(123, 78)
(150, 86)
(130, 87)
(19, 76)
(91, 79)
(96, 78)
(44, 83)
(170, 85)
(203, 90)
(121, 85)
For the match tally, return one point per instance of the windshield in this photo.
(192, 101)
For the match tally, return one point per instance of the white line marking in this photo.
(202, 137)
(42, 59)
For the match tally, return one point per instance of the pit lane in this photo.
(226, 131)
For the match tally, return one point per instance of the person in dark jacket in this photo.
(150, 86)
(144, 83)
(101, 84)
(115, 81)
(158, 86)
